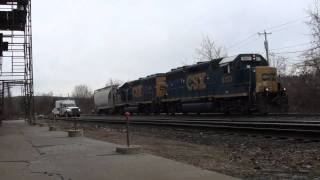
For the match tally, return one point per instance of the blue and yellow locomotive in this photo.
(239, 84)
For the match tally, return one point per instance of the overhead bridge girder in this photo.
(14, 20)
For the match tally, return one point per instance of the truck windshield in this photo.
(70, 105)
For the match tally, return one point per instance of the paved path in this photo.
(34, 153)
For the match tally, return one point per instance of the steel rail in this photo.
(208, 119)
(274, 125)
(231, 115)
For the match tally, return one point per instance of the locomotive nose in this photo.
(266, 79)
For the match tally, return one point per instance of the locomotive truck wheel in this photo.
(245, 110)
(264, 109)
(283, 105)
(171, 109)
(262, 105)
(172, 112)
(147, 110)
(99, 112)
(226, 112)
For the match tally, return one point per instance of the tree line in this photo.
(303, 82)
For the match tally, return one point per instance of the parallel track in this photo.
(296, 126)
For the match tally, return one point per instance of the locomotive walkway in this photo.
(34, 153)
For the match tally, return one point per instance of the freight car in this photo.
(105, 99)
(244, 83)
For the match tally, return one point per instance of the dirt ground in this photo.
(247, 156)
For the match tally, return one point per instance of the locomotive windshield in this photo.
(250, 58)
(268, 77)
(242, 61)
(253, 60)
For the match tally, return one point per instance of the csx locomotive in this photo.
(239, 84)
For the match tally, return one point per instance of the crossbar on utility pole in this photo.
(266, 43)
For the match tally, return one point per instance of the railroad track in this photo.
(296, 115)
(302, 127)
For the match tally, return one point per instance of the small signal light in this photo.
(254, 57)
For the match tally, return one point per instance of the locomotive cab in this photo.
(265, 91)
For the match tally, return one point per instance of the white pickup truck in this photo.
(66, 108)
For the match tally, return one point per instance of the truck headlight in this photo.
(68, 110)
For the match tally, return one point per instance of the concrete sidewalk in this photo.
(34, 153)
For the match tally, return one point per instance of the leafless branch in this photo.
(208, 50)
(81, 91)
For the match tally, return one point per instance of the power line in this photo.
(302, 62)
(292, 46)
(270, 28)
(242, 41)
(286, 23)
(300, 51)
(291, 52)
(281, 29)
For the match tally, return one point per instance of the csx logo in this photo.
(227, 79)
(196, 81)
(137, 91)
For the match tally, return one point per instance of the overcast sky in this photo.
(90, 41)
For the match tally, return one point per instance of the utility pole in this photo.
(266, 44)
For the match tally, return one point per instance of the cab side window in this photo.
(226, 69)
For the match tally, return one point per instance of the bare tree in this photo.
(44, 103)
(209, 50)
(314, 23)
(114, 82)
(84, 98)
(312, 62)
(304, 84)
(82, 91)
(279, 62)
(184, 62)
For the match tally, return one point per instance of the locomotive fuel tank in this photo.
(201, 107)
